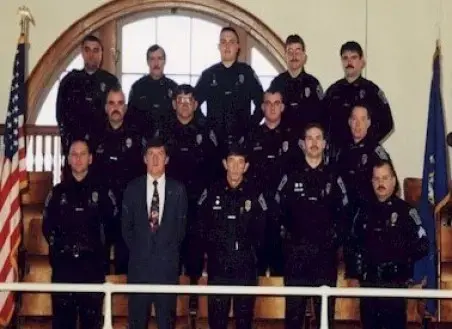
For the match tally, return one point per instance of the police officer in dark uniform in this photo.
(302, 92)
(192, 150)
(388, 239)
(345, 93)
(76, 213)
(117, 160)
(228, 89)
(232, 215)
(150, 98)
(81, 96)
(314, 206)
(268, 155)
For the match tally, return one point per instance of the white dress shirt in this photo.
(161, 191)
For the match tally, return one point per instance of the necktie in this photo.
(154, 213)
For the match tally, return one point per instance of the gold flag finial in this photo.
(25, 19)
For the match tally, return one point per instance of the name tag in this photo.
(184, 149)
(231, 217)
(270, 156)
(88, 99)
(228, 92)
(216, 208)
(114, 158)
(293, 104)
(79, 209)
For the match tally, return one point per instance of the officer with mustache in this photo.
(314, 207)
(81, 96)
(342, 96)
(150, 97)
(302, 92)
(388, 238)
(118, 160)
(355, 164)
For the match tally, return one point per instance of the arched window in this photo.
(189, 38)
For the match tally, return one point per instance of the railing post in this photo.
(108, 318)
(324, 307)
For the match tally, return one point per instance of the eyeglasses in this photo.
(271, 104)
(184, 99)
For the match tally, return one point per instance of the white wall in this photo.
(398, 36)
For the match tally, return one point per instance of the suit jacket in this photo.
(154, 257)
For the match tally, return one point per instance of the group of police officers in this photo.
(309, 180)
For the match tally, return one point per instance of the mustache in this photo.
(156, 67)
(116, 111)
(350, 66)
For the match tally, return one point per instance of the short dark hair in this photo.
(383, 162)
(83, 141)
(363, 105)
(311, 126)
(352, 46)
(92, 38)
(295, 38)
(154, 142)
(230, 29)
(153, 49)
(184, 89)
(272, 90)
(236, 149)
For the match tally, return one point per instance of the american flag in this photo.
(13, 180)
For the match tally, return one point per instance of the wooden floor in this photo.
(182, 323)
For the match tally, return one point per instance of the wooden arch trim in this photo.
(56, 55)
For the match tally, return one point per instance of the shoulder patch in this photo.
(213, 138)
(202, 197)
(415, 216)
(382, 96)
(49, 197)
(262, 202)
(381, 153)
(113, 202)
(282, 183)
(341, 184)
(319, 91)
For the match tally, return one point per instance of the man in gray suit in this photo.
(153, 226)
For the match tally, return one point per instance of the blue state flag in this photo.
(434, 182)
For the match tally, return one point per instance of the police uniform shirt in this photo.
(80, 107)
(118, 156)
(268, 149)
(228, 92)
(76, 213)
(192, 154)
(314, 206)
(390, 231)
(339, 101)
(231, 225)
(355, 164)
(161, 182)
(150, 103)
(302, 97)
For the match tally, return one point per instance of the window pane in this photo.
(194, 79)
(47, 112)
(76, 63)
(127, 81)
(137, 37)
(265, 81)
(173, 34)
(261, 65)
(204, 45)
(179, 78)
